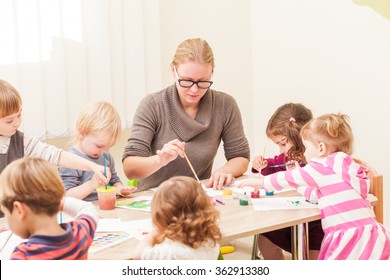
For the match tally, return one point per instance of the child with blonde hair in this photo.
(186, 224)
(31, 195)
(340, 187)
(284, 129)
(15, 144)
(98, 128)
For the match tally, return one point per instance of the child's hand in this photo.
(99, 173)
(292, 164)
(95, 182)
(256, 183)
(124, 190)
(259, 163)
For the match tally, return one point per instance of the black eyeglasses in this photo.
(189, 83)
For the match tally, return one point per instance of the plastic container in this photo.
(106, 197)
(227, 194)
(255, 194)
(244, 200)
(271, 193)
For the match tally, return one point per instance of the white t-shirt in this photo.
(174, 250)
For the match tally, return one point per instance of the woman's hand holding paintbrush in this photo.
(170, 151)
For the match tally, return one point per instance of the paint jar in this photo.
(255, 194)
(106, 197)
(270, 193)
(244, 200)
(227, 194)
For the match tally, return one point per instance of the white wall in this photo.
(333, 56)
(226, 26)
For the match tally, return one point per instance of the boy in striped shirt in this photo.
(31, 195)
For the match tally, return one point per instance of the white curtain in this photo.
(63, 54)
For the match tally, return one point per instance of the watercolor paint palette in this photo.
(108, 240)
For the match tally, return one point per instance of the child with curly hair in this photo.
(186, 224)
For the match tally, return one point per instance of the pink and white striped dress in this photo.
(340, 186)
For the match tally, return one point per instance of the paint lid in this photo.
(255, 194)
(227, 192)
(243, 202)
(271, 193)
(106, 189)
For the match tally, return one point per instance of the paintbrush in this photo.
(192, 168)
(105, 167)
(288, 164)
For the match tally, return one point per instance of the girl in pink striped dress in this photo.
(339, 186)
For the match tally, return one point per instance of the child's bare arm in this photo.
(72, 161)
(85, 189)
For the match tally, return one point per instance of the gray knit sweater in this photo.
(160, 118)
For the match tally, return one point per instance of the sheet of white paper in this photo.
(109, 225)
(211, 192)
(138, 228)
(278, 203)
(9, 247)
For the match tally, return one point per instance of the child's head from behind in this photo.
(10, 109)
(98, 128)
(327, 134)
(181, 211)
(284, 128)
(33, 183)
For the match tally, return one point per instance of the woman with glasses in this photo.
(187, 119)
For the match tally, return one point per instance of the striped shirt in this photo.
(73, 244)
(340, 187)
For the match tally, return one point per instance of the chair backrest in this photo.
(376, 188)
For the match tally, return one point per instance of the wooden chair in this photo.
(376, 188)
